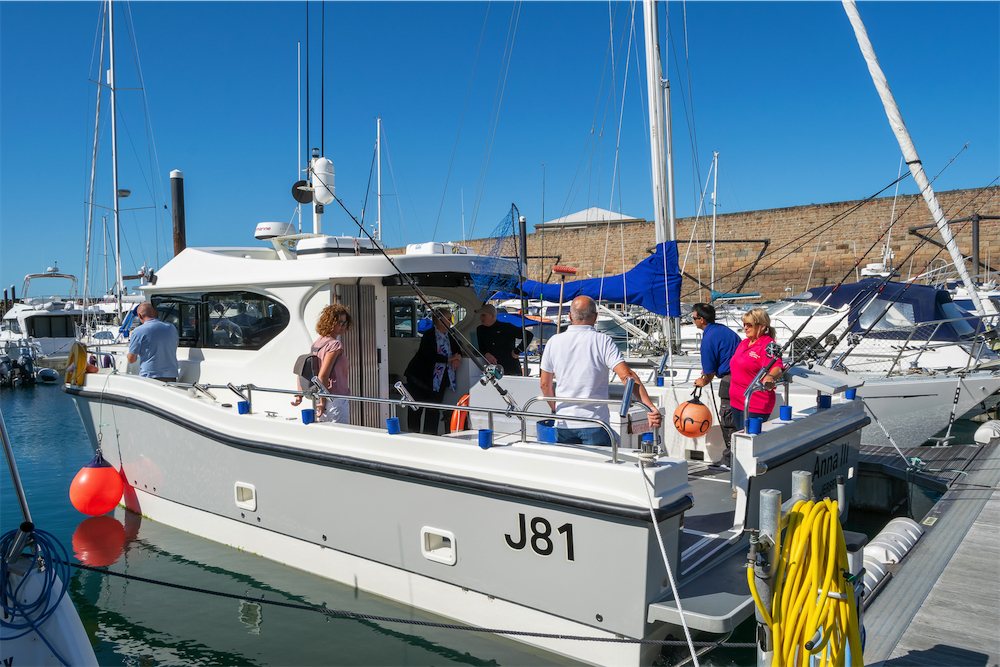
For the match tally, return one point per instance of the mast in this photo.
(378, 150)
(661, 151)
(909, 150)
(93, 181)
(715, 205)
(114, 155)
(658, 159)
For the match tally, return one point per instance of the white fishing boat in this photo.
(494, 527)
(497, 537)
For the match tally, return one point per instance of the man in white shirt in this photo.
(579, 359)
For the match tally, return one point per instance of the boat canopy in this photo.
(654, 283)
(911, 305)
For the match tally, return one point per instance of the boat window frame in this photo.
(223, 331)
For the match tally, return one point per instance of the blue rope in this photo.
(24, 618)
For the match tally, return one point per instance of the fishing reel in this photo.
(491, 373)
(773, 350)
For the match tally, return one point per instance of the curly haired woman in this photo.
(334, 364)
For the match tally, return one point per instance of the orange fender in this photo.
(458, 416)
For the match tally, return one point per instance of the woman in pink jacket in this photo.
(749, 358)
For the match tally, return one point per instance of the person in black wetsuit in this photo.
(500, 342)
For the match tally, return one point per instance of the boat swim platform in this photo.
(942, 605)
(938, 467)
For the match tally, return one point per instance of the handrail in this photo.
(592, 420)
(420, 404)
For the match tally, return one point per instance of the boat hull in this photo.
(354, 513)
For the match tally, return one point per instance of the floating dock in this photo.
(942, 606)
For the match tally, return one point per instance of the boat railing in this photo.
(889, 343)
(246, 391)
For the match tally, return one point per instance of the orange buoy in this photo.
(99, 541)
(458, 416)
(97, 488)
(693, 418)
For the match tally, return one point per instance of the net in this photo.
(495, 272)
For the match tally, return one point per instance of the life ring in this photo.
(77, 368)
(458, 416)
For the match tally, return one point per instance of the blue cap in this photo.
(647, 436)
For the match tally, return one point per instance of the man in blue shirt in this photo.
(718, 343)
(155, 342)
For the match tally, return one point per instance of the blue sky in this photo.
(779, 89)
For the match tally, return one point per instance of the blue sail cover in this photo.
(916, 303)
(654, 283)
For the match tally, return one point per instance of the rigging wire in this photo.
(615, 176)
(687, 99)
(395, 188)
(461, 121)
(156, 193)
(495, 118)
(826, 226)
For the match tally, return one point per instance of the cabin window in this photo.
(230, 320)
(55, 326)
(403, 317)
(12, 326)
(807, 310)
(899, 315)
(410, 317)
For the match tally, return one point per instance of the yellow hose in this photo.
(811, 592)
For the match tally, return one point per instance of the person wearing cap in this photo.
(718, 343)
(500, 342)
(578, 361)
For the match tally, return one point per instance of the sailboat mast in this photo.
(114, 152)
(909, 150)
(378, 150)
(657, 139)
(715, 206)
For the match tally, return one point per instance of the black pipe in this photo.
(177, 203)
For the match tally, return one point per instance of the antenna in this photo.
(298, 145)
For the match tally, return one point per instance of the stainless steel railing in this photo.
(245, 392)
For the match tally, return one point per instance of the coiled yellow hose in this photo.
(811, 591)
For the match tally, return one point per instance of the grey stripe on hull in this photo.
(520, 493)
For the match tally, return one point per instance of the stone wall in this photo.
(807, 245)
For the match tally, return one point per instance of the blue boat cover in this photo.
(654, 283)
(919, 303)
(515, 319)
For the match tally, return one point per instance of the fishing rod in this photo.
(490, 372)
(875, 290)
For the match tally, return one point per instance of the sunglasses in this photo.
(342, 323)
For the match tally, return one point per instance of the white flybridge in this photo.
(910, 151)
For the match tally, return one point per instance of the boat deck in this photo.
(942, 607)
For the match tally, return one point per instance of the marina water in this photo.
(137, 623)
